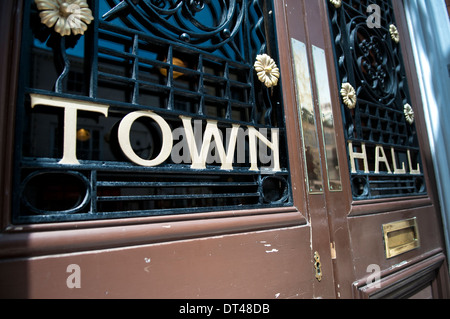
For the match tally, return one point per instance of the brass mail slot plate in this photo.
(401, 237)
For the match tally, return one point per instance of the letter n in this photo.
(253, 134)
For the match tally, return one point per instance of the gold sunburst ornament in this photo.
(395, 35)
(409, 113)
(267, 70)
(348, 94)
(66, 16)
(337, 3)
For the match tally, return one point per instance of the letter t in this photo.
(71, 108)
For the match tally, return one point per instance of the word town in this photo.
(198, 157)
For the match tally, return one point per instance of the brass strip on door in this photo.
(327, 120)
(307, 118)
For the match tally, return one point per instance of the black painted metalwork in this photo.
(191, 58)
(368, 59)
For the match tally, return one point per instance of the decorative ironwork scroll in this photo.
(382, 140)
(205, 24)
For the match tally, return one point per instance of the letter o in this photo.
(124, 138)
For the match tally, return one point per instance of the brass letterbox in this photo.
(401, 237)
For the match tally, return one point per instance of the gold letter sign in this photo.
(198, 154)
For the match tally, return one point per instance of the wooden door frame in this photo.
(11, 24)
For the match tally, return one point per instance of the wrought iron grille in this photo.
(177, 59)
(368, 57)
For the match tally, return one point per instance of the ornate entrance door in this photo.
(214, 149)
(366, 155)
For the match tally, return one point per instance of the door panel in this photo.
(421, 279)
(250, 265)
(371, 249)
(354, 223)
(358, 223)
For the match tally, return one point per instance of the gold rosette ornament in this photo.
(409, 113)
(267, 70)
(337, 3)
(348, 94)
(66, 16)
(394, 33)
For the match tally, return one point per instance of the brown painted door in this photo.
(372, 202)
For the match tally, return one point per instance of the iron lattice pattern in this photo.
(370, 60)
(177, 59)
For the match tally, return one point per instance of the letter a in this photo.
(74, 280)
(375, 277)
(374, 20)
(380, 157)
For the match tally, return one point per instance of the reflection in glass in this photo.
(327, 118)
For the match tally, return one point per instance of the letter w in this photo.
(199, 158)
